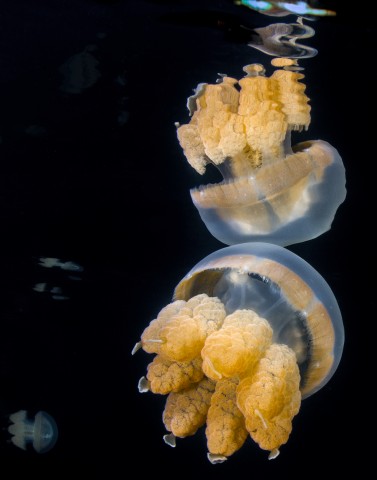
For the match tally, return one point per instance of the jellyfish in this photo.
(271, 192)
(80, 71)
(41, 432)
(252, 330)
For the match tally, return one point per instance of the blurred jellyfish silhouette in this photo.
(50, 262)
(36, 131)
(80, 71)
(55, 292)
(41, 432)
(57, 284)
(282, 9)
(280, 40)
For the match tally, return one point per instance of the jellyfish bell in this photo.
(271, 192)
(285, 290)
(253, 329)
(41, 432)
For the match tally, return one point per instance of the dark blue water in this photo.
(91, 172)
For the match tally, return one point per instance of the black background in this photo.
(97, 177)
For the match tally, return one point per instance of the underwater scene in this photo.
(187, 237)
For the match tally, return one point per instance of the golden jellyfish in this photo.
(252, 330)
(271, 192)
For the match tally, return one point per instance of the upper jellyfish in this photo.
(271, 192)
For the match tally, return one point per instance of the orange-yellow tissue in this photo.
(222, 370)
(245, 126)
(237, 346)
(226, 431)
(186, 411)
(166, 376)
(270, 397)
(180, 332)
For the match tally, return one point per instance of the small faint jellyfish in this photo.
(41, 432)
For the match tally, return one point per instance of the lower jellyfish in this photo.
(253, 329)
(41, 432)
(271, 192)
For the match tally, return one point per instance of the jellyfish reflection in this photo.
(252, 329)
(280, 40)
(282, 9)
(41, 432)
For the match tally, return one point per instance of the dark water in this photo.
(91, 173)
